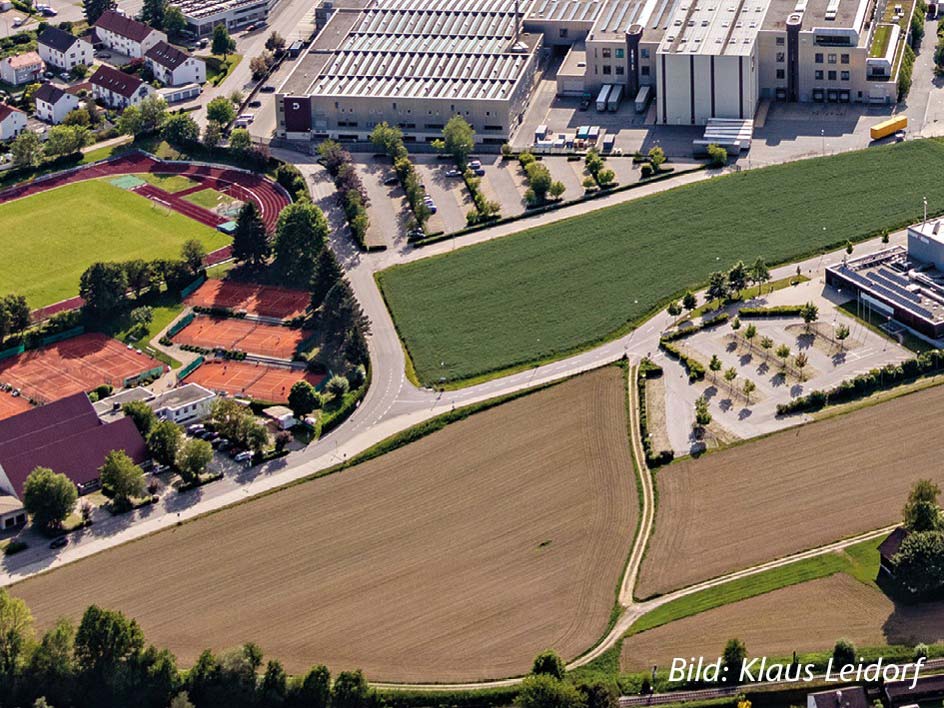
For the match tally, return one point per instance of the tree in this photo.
(274, 686)
(193, 459)
(327, 274)
(164, 442)
(16, 633)
(250, 242)
(593, 163)
(27, 149)
(300, 236)
(303, 399)
(844, 652)
(544, 691)
(105, 640)
(275, 42)
(750, 333)
(674, 309)
(140, 275)
(350, 690)
(130, 122)
(49, 498)
(221, 111)
(174, 21)
(240, 141)
(715, 365)
(142, 316)
(730, 375)
(810, 313)
(717, 155)
(212, 134)
(759, 272)
(598, 695)
(260, 64)
(884, 235)
(389, 139)
(222, 43)
(282, 439)
(121, 478)
(315, 689)
(141, 415)
(181, 700)
(733, 657)
(736, 324)
(66, 139)
(801, 360)
(548, 662)
(192, 253)
(152, 13)
(737, 278)
(717, 287)
(841, 334)
(96, 8)
(783, 353)
(51, 665)
(919, 563)
(556, 190)
(921, 512)
(689, 301)
(766, 343)
(15, 310)
(749, 388)
(702, 414)
(849, 247)
(656, 158)
(181, 130)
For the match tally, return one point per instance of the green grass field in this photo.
(556, 289)
(48, 239)
(169, 183)
(209, 199)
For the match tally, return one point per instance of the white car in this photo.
(244, 456)
(18, 21)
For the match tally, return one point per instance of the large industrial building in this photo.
(203, 15)
(416, 64)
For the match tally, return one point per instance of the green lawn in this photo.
(48, 239)
(169, 183)
(860, 561)
(165, 311)
(557, 289)
(218, 68)
(209, 199)
(880, 41)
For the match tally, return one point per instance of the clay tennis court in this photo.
(234, 334)
(77, 364)
(11, 405)
(257, 381)
(260, 300)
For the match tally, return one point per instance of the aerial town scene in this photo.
(471, 354)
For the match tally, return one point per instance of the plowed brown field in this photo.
(806, 617)
(791, 491)
(457, 557)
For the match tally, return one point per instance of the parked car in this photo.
(250, 28)
(244, 456)
(391, 180)
(59, 542)
(255, 103)
(65, 76)
(584, 104)
(479, 171)
(18, 21)
(221, 444)
(203, 43)
(103, 55)
(50, 12)
(415, 233)
(453, 173)
(196, 428)
(475, 164)
(268, 88)
(49, 75)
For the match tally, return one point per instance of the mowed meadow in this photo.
(48, 239)
(791, 491)
(457, 557)
(553, 289)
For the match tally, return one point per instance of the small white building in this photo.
(22, 68)
(53, 104)
(176, 94)
(12, 513)
(117, 89)
(12, 122)
(126, 36)
(172, 67)
(63, 50)
(281, 417)
(188, 403)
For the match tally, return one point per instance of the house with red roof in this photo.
(117, 89)
(12, 122)
(126, 36)
(66, 436)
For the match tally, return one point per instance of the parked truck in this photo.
(888, 127)
(603, 96)
(642, 98)
(616, 96)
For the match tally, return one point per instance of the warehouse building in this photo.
(413, 64)
(203, 15)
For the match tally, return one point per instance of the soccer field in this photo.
(554, 289)
(47, 240)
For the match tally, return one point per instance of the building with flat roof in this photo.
(184, 404)
(413, 64)
(203, 15)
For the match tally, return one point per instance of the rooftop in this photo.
(182, 396)
(889, 547)
(115, 81)
(111, 406)
(833, 14)
(849, 697)
(167, 55)
(9, 503)
(6, 110)
(123, 26)
(48, 93)
(202, 9)
(24, 61)
(565, 10)
(56, 38)
(718, 27)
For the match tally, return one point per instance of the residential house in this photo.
(67, 437)
(12, 513)
(126, 36)
(848, 697)
(12, 122)
(22, 68)
(172, 67)
(63, 50)
(117, 89)
(185, 404)
(53, 104)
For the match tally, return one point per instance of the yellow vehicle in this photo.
(888, 127)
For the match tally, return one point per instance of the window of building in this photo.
(844, 75)
(620, 53)
(780, 57)
(779, 41)
(607, 52)
(607, 69)
(644, 53)
(832, 75)
(620, 69)
(832, 58)
(563, 33)
(780, 73)
(843, 58)
(818, 58)
(818, 75)
(644, 71)
(494, 127)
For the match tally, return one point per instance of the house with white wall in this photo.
(126, 36)
(22, 68)
(173, 67)
(53, 104)
(12, 122)
(63, 50)
(117, 89)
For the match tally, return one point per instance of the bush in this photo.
(646, 170)
(14, 547)
(647, 369)
(677, 334)
(778, 311)
(696, 372)
(337, 386)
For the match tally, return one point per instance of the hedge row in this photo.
(696, 372)
(351, 194)
(689, 331)
(653, 459)
(927, 363)
(778, 311)
(217, 311)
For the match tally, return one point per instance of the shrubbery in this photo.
(778, 311)
(352, 197)
(649, 370)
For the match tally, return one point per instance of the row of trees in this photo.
(389, 139)
(168, 445)
(29, 151)
(351, 194)
(726, 285)
(105, 661)
(600, 176)
(540, 183)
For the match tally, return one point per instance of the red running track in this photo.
(174, 202)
